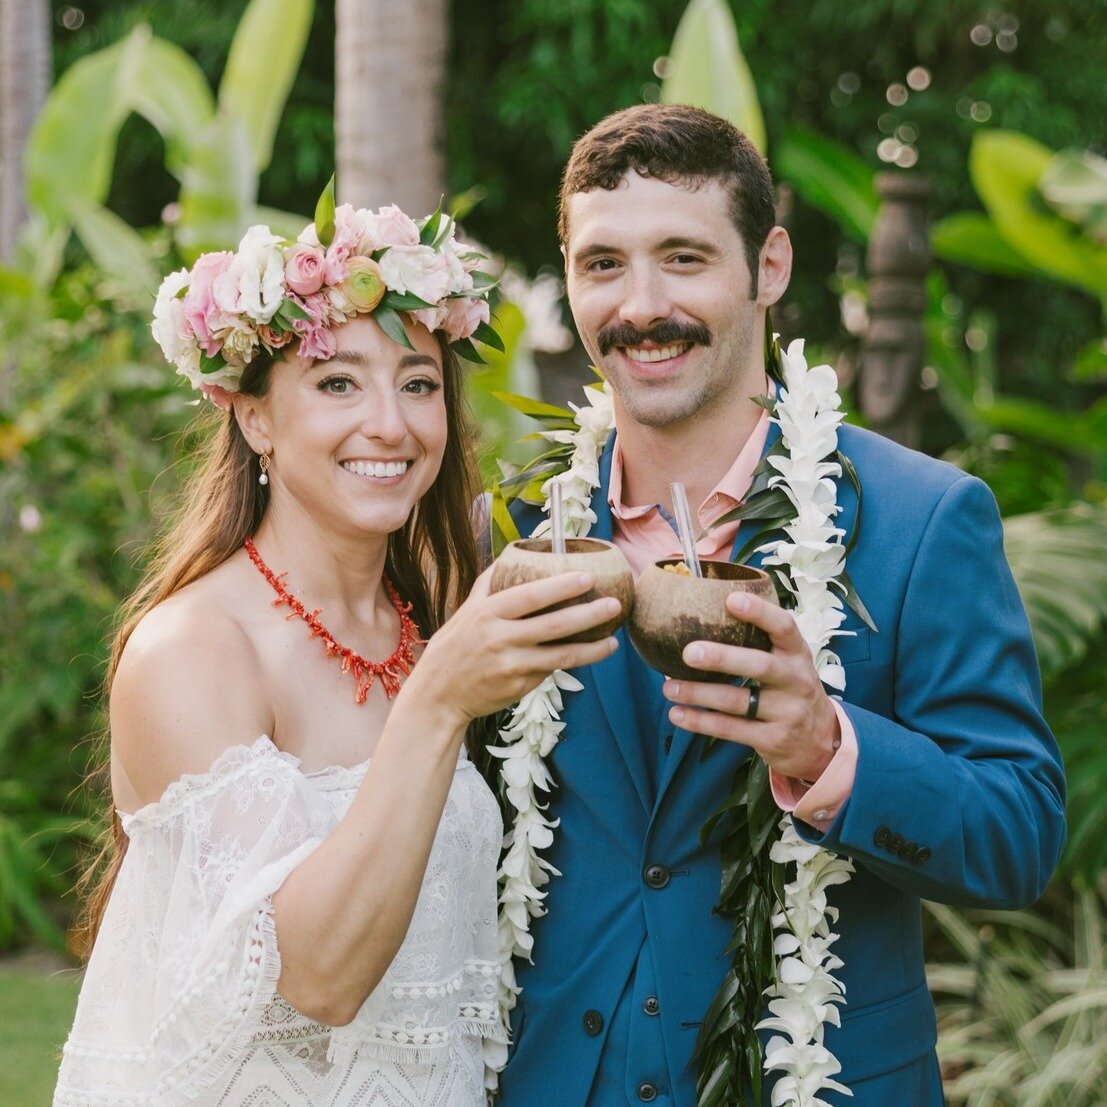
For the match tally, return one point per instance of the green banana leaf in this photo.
(831, 178)
(708, 70)
(264, 59)
(116, 248)
(971, 238)
(1006, 169)
(218, 188)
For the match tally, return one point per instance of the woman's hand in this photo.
(496, 648)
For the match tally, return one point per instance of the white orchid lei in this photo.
(793, 492)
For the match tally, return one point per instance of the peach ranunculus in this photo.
(364, 285)
(304, 268)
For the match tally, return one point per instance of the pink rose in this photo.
(200, 309)
(218, 396)
(317, 344)
(316, 338)
(431, 318)
(303, 269)
(343, 247)
(390, 227)
(463, 315)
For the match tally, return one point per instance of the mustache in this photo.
(667, 333)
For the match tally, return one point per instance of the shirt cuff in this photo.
(818, 803)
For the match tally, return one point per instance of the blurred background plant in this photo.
(171, 126)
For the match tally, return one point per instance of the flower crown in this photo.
(211, 321)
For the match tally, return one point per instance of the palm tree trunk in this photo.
(389, 68)
(24, 83)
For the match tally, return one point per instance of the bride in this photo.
(302, 905)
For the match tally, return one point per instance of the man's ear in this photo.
(252, 416)
(774, 267)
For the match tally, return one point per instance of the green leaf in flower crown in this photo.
(428, 232)
(482, 280)
(324, 215)
(390, 322)
(536, 409)
(464, 347)
(487, 334)
(446, 226)
(290, 310)
(211, 364)
(403, 301)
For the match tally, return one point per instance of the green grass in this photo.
(36, 1011)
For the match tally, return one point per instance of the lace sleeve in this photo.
(190, 927)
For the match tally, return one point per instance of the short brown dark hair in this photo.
(680, 145)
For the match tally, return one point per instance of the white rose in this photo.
(415, 269)
(256, 275)
(168, 328)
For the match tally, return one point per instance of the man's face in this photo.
(660, 290)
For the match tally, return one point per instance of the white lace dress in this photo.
(179, 1003)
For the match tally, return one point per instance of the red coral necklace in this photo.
(390, 672)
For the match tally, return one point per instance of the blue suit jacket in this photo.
(958, 798)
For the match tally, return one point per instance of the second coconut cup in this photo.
(673, 608)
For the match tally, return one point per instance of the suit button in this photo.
(593, 1022)
(657, 876)
(908, 850)
(921, 856)
(651, 1005)
(894, 843)
(880, 838)
(647, 1092)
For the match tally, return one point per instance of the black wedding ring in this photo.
(755, 699)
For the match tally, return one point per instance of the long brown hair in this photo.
(432, 561)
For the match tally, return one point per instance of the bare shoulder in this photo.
(189, 685)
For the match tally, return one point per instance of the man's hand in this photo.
(793, 725)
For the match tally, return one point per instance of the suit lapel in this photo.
(683, 739)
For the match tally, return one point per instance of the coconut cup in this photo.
(673, 608)
(533, 559)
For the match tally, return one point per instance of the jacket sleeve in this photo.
(959, 796)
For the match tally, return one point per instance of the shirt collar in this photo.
(727, 494)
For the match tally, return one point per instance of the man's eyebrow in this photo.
(598, 249)
(681, 242)
(673, 242)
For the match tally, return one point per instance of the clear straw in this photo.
(683, 516)
(557, 524)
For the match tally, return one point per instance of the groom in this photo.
(935, 774)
